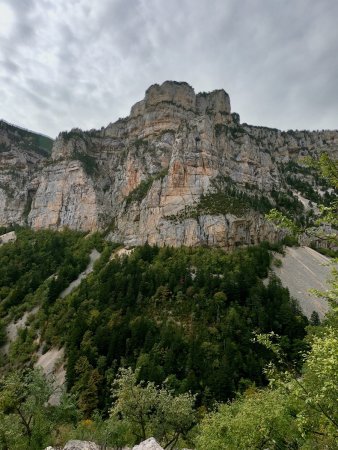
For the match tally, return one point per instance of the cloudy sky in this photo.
(83, 63)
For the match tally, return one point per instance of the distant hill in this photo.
(26, 139)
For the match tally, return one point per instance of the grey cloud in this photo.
(33, 96)
(10, 67)
(85, 63)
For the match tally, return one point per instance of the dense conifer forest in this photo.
(184, 318)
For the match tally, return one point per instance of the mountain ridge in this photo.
(179, 170)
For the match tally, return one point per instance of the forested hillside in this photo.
(184, 317)
(181, 315)
(155, 339)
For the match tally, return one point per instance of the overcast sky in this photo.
(84, 63)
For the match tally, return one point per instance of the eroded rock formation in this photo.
(157, 175)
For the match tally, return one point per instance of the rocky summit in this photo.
(179, 170)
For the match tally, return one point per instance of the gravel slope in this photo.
(304, 268)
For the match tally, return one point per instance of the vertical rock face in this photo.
(180, 170)
(22, 154)
(65, 197)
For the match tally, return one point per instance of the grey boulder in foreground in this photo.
(77, 445)
(81, 445)
(149, 444)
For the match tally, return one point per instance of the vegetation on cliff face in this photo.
(26, 139)
(141, 191)
(298, 410)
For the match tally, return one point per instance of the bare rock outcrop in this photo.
(149, 444)
(156, 175)
(8, 237)
(81, 445)
(22, 154)
(65, 197)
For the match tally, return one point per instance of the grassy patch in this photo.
(88, 162)
(140, 192)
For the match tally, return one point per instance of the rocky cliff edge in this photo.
(179, 170)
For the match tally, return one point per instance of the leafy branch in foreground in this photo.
(293, 412)
(148, 410)
(281, 221)
(27, 420)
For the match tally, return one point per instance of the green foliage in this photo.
(27, 140)
(234, 131)
(298, 409)
(28, 207)
(151, 411)
(223, 203)
(87, 383)
(28, 262)
(74, 133)
(257, 420)
(173, 314)
(282, 221)
(225, 198)
(4, 148)
(289, 205)
(290, 241)
(314, 319)
(294, 412)
(26, 418)
(330, 252)
(304, 187)
(277, 262)
(312, 175)
(326, 167)
(317, 392)
(22, 349)
(327, 214)
(140, 192)
(140, 143)
(3, 336)
(112, 432)
(88, 162)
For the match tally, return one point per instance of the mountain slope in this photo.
(174, 314)
(303, 269)
(22, 154)
(179, 170)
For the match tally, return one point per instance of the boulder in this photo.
(81, 445)
(149, 444)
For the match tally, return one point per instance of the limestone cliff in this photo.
(179, 170)
(22, 155)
